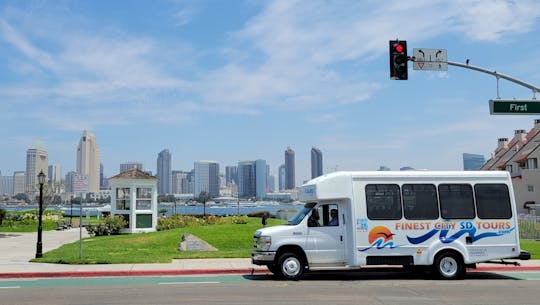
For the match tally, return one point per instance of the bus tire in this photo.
(273, 268)
(291, 266)
(449, 266)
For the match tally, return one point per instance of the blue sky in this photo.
(242, 80)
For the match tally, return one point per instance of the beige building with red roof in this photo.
(520, 156)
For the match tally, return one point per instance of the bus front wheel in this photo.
(291, 266)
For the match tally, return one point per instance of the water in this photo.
(228, 209)
(219, 210)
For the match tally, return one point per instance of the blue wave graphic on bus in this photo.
(380, 244)
(448, 239)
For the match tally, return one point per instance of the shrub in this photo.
(260, 214)
(111, 226)
(2, 215)
(239, 220)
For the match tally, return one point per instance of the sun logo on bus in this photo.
(380, 237)
(380, 232)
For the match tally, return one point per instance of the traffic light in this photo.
(398, 59)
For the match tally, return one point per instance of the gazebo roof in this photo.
(134, 173)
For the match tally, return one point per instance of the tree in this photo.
(203, 196)
(22, 196)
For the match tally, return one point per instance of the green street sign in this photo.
(514, 106)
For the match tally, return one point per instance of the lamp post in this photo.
(39, 247)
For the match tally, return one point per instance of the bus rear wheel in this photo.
(449, 266)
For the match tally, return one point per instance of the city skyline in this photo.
(244, 80)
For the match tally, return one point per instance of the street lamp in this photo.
(39, 247)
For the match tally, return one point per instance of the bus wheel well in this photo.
(292, 249)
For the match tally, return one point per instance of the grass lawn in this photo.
(533, 246)
(18, 226)
(232, 240)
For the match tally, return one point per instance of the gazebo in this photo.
(134, 197)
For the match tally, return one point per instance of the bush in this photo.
(182, 221)
(2, 215)
(261, 213)
(111, 226)
(239, 220)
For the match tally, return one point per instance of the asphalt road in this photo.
(324, 288)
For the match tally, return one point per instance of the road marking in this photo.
(10, 287)
(182, 283)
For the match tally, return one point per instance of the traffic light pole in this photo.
(497, 75)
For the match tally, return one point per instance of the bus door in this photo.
(326, 234)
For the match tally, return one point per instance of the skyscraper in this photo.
(37, 160)
(124, 167)
(6, 185)
(261, 179)
(289, 169)
(472, 162)
(281, 177)
(231, 175)
(18, 182)
(206, 178)
(164, 171)
(246, 179)
(252, 179)
(88, 160)
(55, 173)
(101, 177)
(179, 182)
(316, 163)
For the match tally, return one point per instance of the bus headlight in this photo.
(263, 243)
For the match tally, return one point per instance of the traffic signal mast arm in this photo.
(497, 75)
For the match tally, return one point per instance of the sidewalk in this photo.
(16, 249)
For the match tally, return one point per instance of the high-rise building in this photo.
(179, 182)
(70, 181)
(473, 162)
(164, 171)
(55, 173)
(271, 183)
(102, 179)
(261, 179)
(289, 169)
(281, 177)
(6, 185)
(37, 160)
(246, 179)
(316, 163)
(231, 175)
(252, 179)
(88, 160)
(206, 178)
(18, 182)
(124, 167)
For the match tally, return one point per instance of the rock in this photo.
(191, 242)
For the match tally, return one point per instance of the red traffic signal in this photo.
(398, 59)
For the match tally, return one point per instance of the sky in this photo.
(243, 80)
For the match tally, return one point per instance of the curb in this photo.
(59, 274)
(248, 271)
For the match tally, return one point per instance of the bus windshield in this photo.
(297, 218)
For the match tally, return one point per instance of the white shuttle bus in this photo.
(446, 220)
